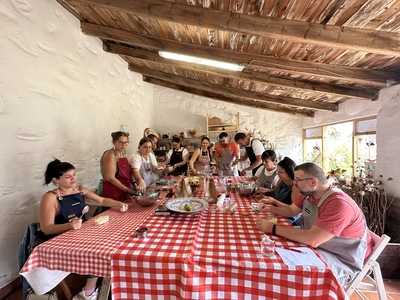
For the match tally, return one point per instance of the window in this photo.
(349, 147)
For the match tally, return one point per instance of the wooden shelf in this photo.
(223, 126)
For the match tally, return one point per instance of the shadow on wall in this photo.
(175, 120)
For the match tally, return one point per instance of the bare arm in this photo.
(255, 164)
(314, 237)
(279, 208)
(193, 160)
(48, 212)
(139, 180)
(108, 202)
(108, 170)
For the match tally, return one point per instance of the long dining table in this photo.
(209, 255)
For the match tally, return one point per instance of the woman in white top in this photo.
(144, 165)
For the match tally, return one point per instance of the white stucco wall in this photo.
(388, 138)
(60, 96)
(349, 110)
(175, 111)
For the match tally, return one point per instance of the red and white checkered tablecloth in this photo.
(88, 251)
(212, 255)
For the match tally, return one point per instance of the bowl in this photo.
(246, 189)
(147, 199)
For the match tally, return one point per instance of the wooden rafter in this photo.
(216, 88)
(147, 55)
(378, 42)
(375, 78)
(361, 93)
(218, 95)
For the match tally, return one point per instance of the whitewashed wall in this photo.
(176, 110)
(388, 138)
(348, 110)
(60, 96)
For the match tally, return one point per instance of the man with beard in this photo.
(332, 222)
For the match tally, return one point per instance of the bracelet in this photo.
(274, 229)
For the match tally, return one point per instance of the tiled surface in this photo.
(392, 289)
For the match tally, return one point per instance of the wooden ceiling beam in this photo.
(226, 98)
(227, 90)
(375, 78)
(346, 38)
(247, 74)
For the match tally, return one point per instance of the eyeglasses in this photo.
(123, 142)
(302, 179)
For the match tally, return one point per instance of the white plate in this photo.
(177, 205)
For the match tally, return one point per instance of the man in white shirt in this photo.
(254, 150)
(177, 158)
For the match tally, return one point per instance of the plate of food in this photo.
(187, 205)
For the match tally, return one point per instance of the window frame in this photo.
(354, 135)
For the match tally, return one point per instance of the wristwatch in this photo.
(273, 229)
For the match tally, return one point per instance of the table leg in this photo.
(104, 289)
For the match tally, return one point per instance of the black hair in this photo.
(56, 169)
(269, 154)
(239, 136)
(152, 136)
(222, 135)
(117, 134)
(176, 139)
(205, 138)
(312, 170)
(144, 141)
(288, 165)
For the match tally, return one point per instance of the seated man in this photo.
(333, 222)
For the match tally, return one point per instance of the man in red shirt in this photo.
(332, 222)
(226, 154)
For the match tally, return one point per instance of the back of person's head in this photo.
(239, 136)
(288, 165)
(313, 170)
(222, 135)
(56, 169)
(268, 154)
(176, 139)
(117, 134)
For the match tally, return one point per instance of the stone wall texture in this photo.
(60, 96)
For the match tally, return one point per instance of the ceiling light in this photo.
(201, 61)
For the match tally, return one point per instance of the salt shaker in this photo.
(267, 246)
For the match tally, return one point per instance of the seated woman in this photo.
(177, 158)
(144, 164)
(63, 208)
(115, 169)
(201, 158)
(283, 190)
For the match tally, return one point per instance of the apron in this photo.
(225, 162)
(252, 156)
(71, 206)
(146, 171)
(203, 163)
(124, 175)
(177, 157)
(267, 181)
(345, 256)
